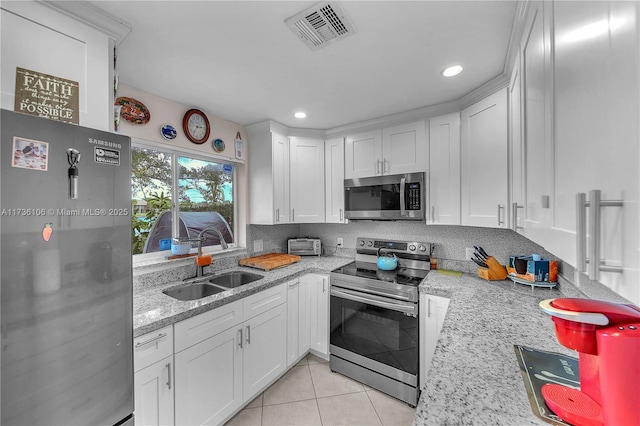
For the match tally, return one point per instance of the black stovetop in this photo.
(404, 276)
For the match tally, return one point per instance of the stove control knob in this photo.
(412, 247)
(361, 243)
(422, 248)
(369, 243)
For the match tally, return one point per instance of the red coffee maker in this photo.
(607, 338)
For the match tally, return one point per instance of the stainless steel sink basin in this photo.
(193, 291)
(235, 279)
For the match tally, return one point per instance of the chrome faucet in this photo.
(201, 238)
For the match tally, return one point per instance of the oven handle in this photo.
(410, 309)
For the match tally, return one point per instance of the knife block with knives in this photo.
(494, 271)
(488, 266)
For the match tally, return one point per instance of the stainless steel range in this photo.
(374, 323)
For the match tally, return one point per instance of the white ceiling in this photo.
(240, 61)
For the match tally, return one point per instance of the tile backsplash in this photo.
(449, 242)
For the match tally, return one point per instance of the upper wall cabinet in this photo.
(334, 180)
(393, 150)
(484, 162)
(580, 103)
(444, 169)
(39, 38)
(268, 175)
(306, 180)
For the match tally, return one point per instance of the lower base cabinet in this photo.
(154, 394)
(432, 312)
(218, 374)
(209, 380)
(202, 370)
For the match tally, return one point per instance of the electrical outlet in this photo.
(469, 253)
(340, 242)
(257, 245)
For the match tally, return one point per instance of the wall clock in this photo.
(196, 126)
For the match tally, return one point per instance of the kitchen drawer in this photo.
(200, 327)
(265, 300)
(152, 347)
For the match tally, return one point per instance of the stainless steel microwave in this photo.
(389, 197)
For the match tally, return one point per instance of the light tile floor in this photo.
(310, 394)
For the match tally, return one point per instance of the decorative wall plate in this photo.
(134, 111)
(218, 145)
(168, 132)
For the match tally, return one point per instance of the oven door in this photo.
(375, 332)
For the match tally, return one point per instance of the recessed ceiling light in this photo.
(452, 70)
(300, 114)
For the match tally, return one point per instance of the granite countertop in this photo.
(153, 309)
(474, 378)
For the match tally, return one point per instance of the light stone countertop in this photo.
(474, 378)
(153, 309)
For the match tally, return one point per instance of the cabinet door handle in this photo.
(169, 375)
(595, 263)
(428, 308)
(240, 341)
(384, 166)
(433, 214)
(514, 216)
(292, 285)
(378, 172)
(248, 335)
(153, 339)
(324, 283)
(500, 221)
(277, 215)
(293, 215)
(341, 215)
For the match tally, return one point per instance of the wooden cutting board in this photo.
(270, 261)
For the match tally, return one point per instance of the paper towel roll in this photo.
(46, 271)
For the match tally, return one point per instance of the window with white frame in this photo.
(177, 195)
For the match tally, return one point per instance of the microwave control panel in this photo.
(413, 196)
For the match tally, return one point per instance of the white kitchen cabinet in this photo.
(516, 218)
(444, 169)
(46, 34)
(208, 379)
(153, 378)
(334, 180)
(264, 350)
(268, 175)
(432, 312)
(484, 162)
(298, 319)
(306, 181)
(392, 150)
(363, 154)
(538, 131)
(319, 296)
(596, 134)
(404, 148)
(154, 394)
(226, 356)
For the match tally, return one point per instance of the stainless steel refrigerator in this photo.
(66, 289)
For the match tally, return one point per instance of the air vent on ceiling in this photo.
(323, 23)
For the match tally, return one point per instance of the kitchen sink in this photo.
(235, 279)
(193, 291)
